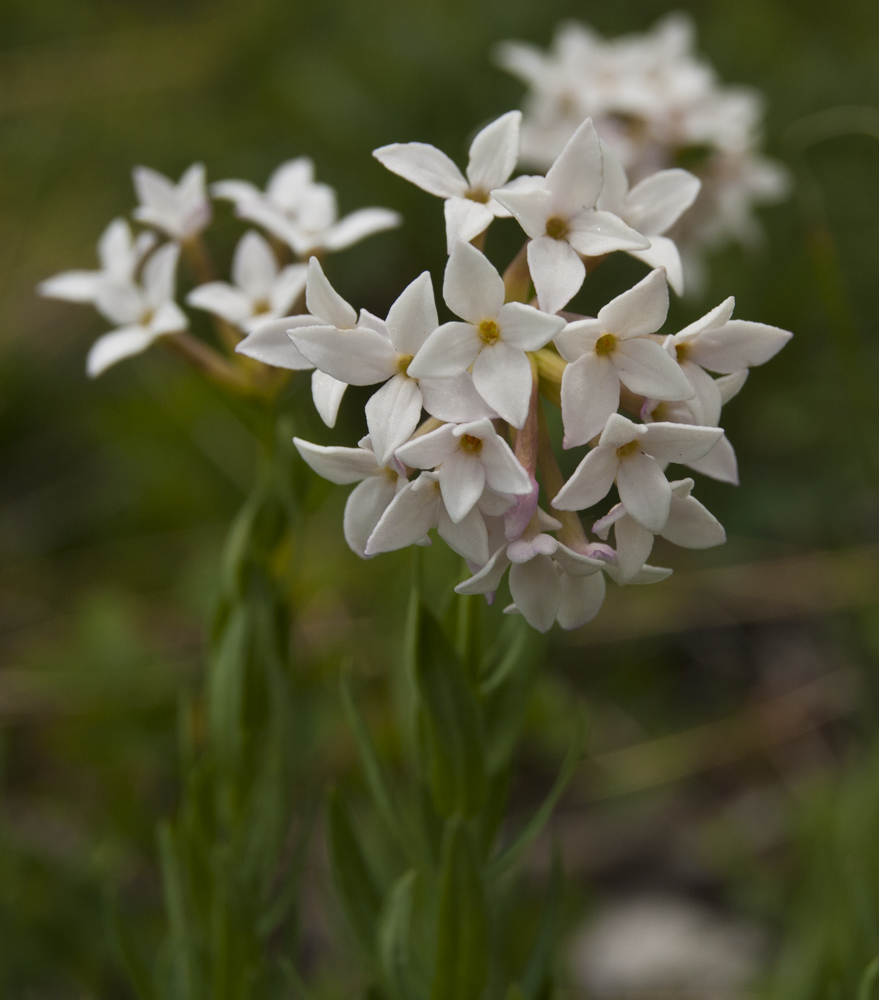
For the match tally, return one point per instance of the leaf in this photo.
(395, 952)
(358, 894)
(452, 723)
(511, 854)
(461, 969)
(181, 948)
(867, 986)
(539, 964)
(382, 796)
(226, 676)
(129, 957)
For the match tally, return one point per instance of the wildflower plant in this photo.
(459, 442)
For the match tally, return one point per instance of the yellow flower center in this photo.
(605, 345)
(471, 444)
(403, 363)
(479, 195)
(681, 350)
(629, 449)
(556, 228)
(489, 331)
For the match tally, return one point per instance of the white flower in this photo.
(181, 210)
(378, 485)
(616, 347)
(546, 580)
(720, 463)
(142, 312)
(493, 339)
(558, 212)
(651, 207)
(469, 208)
(302, 213)
(120, 255)
(721, 344)
(420, 507)
(631, 455)
(468, 457)
(689, 525)
(262, 290)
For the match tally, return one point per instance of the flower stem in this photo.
(517, 277)
(572, 533)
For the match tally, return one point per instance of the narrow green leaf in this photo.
(358, 894)
(395, 953)
(181, 948)
(511, 854)
(461, 969)
(388, 808)
(453, 725)
(127, 952)
(867, 986)
(226, 677)
(539, 964)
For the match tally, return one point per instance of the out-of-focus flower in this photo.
(179, 210)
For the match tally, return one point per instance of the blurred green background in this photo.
(734, 707)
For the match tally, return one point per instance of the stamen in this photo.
(606, 344)
(403, 363)
(556, 228)
(489, 331)
(471, 444)
(629, 449)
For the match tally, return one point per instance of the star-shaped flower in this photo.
(143, 312)
(180, 210)
(120, 255)
(469, 207)
(559, 213)
(468, 457)
(617, 347)
(651, 208)
(493, 339)
(631, 455)
(261, 291)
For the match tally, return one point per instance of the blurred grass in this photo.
(116, 493)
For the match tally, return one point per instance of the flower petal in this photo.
(324, 301)
(327, 393)
(691, 525)
(412, 318)
(270, 344)
(634, 545)
(528, 328)
(639, 310)
(447, 352)
(590, 482)
(338, 465)
(392, 414)
(429, 450)
(502, 376)
(364, 509)
(254, 266)
(536, 590)
(503, 471)
(663, 252)
(655, 204)
(468, 537)
(488, 579)
(576, 177)
(644, 491)
(408, 518)
(594, 234)
(424, 165)
(454, 399)
(557, 272)
(356, 356)
(679, 442)
(357, 226)
(528, 203)
(462, 480)
(115, 346)
(582, 597)
(472, 287)
(465, 220)
(223, 300)
(645, 368)
(737, 344)
(590, 393)
(720, 463)
(494, 152)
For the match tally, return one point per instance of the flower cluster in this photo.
(657, 106)
(469, 468)
(135, 286)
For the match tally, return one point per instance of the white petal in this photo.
(462, 480)
(254, 266)
(424, 165)
(502, 376)
(392, 414)
(737, 344)
(503, 471)
(679, 442)
(358, 357)
(691, 525)
(159, 274)
(590, 482)
(468, 537)
(448, 351)
(358, 225)
(582, 597)
(270, 344)
(429, 450)
(634, 544)
(168, 318)
(576, 177)
(529, 204)
(528, 328)
(73, 286)
(616, 183)
(537, 592)
(236, 191)
(655, 204)
(364, 509)
(578, 338)
(494, 152)
(408, 518)
(576, 563)
(710, 321)
(339, 465)
(594, 234)
(324, 301)
(645, 368)
(412, 318)
(720, 463)
(287, 288)
(115, 346)
(489, 577)
(706, 403)
(327, 393)
(619, 430)
(644, 491)
(590, 393)
(472, 287)
(465, 220)
(557, 272)
(121, 303)
(222, 299)
(154, 190)
(454, 399)
(640, 310)
(730, 385)
(662, 252)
